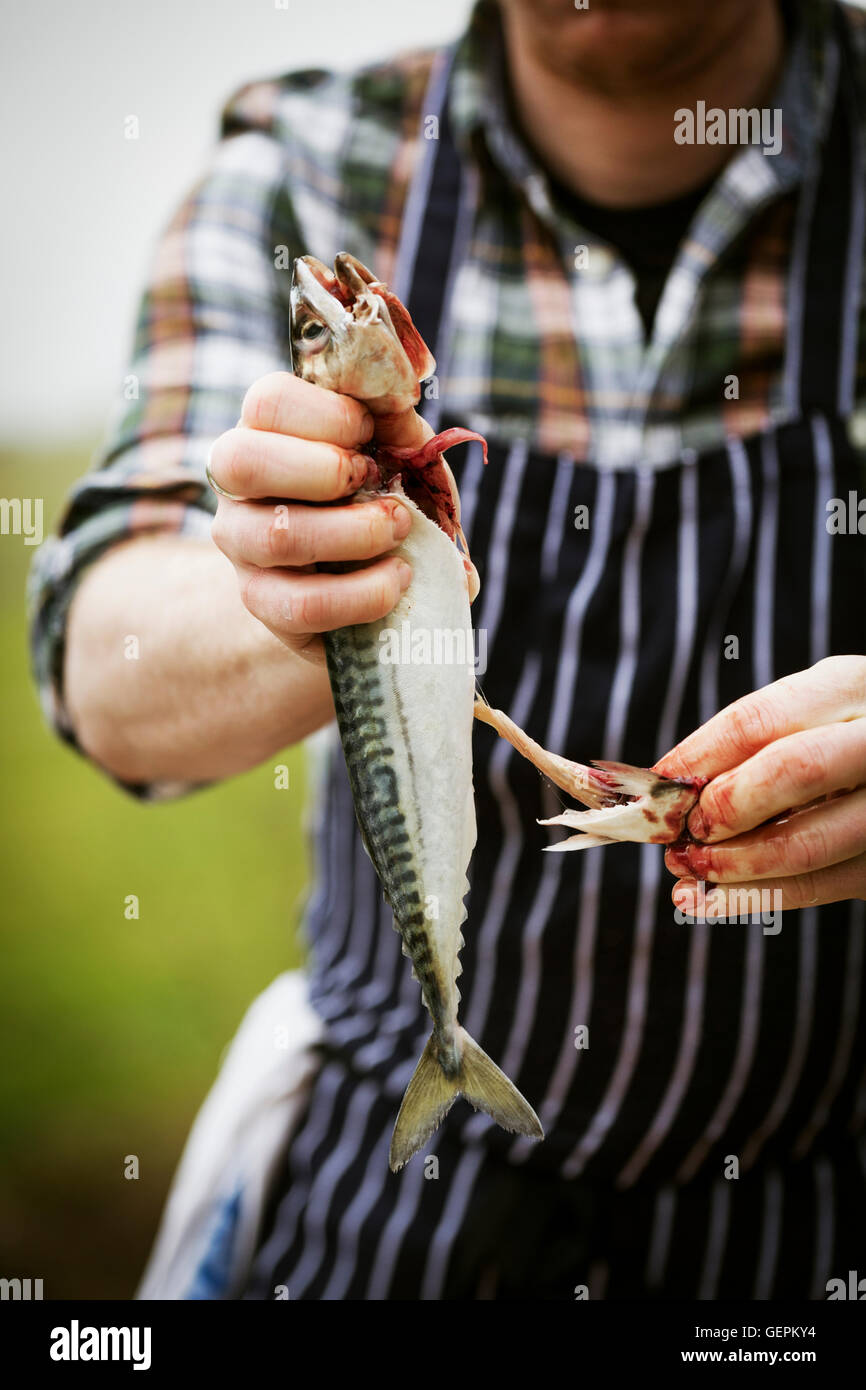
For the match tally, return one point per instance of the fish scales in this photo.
(406, 730)
(357, 686)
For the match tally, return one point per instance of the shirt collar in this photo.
(478, 107)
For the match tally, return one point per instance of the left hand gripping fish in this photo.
(406, 726)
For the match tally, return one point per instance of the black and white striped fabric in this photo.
(705, 1041)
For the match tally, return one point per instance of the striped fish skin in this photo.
(406, 734)
(406, 724)
(374, 776)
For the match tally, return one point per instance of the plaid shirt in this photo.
(547, 345)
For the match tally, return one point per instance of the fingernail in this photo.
(360, 464)
(698, 824)
(473, 583)
(401, 521)
(678, 863)
(404, 574)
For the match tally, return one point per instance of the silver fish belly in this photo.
(405, 723)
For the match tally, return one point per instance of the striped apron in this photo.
(706, 1042)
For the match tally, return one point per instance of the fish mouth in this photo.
(340, 299)
(310, 291)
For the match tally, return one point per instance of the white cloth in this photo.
(208, 1232)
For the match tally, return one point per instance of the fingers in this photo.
(790, 772)
(294, 605)
(831, 885)
(281, 403)
(831, 691)
(803, 844)
(473, 579)
(261, 536)
(250, 463)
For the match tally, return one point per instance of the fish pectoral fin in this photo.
(584, 783)
(431, 1094)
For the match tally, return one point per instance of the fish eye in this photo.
(312, 331)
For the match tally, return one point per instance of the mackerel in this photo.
(406, 726)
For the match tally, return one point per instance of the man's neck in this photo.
(599, 111)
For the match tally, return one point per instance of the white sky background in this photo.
(82, 205)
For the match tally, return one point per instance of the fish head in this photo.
(350, 334)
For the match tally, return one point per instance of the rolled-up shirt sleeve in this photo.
(213, 317)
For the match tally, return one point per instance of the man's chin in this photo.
(611, 42)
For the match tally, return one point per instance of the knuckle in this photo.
(776, 857)
(752, 722)
(804, 889)
(278, 534)
(312, 608)
(858, 679)
(249, 460)
(717, 801)
(712, 864)
(250, 587)
(219, 529)
(222, 457)
(262, 401)
(300, 538)
(828, 663)
(848, 666)
(810, 851)
(374, 530)
(852, 670)
(808, 767)
(701, 862)
(382, 595)
(846, 675)
(348, 418)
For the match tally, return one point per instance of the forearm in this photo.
(168, 677)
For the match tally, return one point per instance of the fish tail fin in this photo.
(431, 1094)
(489, 1089)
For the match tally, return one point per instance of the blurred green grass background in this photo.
(112, 1030)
